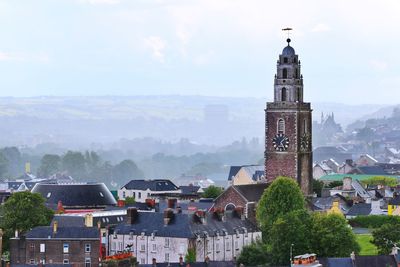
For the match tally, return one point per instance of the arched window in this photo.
(284, 73)
(305, 126)
(298, 94)
(297, 73)
(285, 60)
(230, 206)
(281, 126)
(284, 94)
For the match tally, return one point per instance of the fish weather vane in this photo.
(288, 33)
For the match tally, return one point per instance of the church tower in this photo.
(288, 147)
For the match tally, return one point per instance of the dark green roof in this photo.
(360, 177)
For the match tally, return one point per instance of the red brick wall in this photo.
(230, 195)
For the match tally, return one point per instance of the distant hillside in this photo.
(102, 121)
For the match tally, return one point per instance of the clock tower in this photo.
(288, 147)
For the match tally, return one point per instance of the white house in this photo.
(141, 190)
(167, 237)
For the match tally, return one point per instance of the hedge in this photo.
(373, 221)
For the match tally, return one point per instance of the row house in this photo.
(78, 246)
(167, 237)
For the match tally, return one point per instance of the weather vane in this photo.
(288, 33)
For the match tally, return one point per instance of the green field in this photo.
(367, 248)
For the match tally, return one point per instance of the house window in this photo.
(133, 194)
(87, 262)
(65, 248)
(142, 247)
(42, 248)
(284, 94)
(32, 247)
(166, 242)
(139, 195)
(142, 261)
(66, 261)
(154, 247)
(120, 246)
(227, 245)
(123, 194)
(113, 246)
(281, 126)
(284, 73)
(236, 245)
(87, 248)
(217, 247)
(166, 257)
(32, 261)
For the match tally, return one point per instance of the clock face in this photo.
(280, 142)
(305, 142)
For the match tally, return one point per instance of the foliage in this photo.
(317, 187)
(127, 170)
(74, 163)
(212, 192)
(332, 236)
(366, 247)
(365, 134)
(129, 200)
(373, 221)
(380, 180)
(253, 255)
(3, 165)
(334, 184)
(23, 211)
(282, 196)
(386, 236)
(294, 228)
(49, 165)
(190, 256)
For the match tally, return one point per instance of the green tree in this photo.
(23, 211)
(292, 229)
(317, 187)
(332, 236)
(190, 256)
(15, 165)
(126, 170)
(381, 180)
(3, 165)
(212, 192)
(282, 196)
(254, 254)
(49, 165)
(335, 184)
(129, 200)
(386, 236)
(74, 163)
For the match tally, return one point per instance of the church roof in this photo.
(288, 51)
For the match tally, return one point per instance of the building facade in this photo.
(288, 137)
(78, 246)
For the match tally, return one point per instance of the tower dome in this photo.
(288, 50)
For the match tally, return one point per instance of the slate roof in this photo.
(359, 209)
(153, 185)
(76, 195)
(376, 261)
(184, 225)
(252, 192)
(336, 262)
(378, 170)
(233, 171)
(44, 232)
(189, 189)
(395, 201)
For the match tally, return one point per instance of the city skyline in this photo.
(224, 48)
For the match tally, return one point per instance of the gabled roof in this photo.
(370, 170)
(189, 189)
(359, 209)
(152, 185)
(253, 171)
(184, 225)
(44, 232)
(233, 171)
(251, 192)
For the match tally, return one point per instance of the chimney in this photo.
(55, 226)
(132, 215)
(89, 220)
(347, 183)
(201, 215)
(168, 215)
(172, 203)
(350, 162)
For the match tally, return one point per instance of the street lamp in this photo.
(291, 253)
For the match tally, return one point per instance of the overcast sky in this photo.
(349, 49)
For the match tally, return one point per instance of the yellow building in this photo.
(394, 206)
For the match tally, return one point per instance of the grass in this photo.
(367, 248)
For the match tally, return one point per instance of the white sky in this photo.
(348, 48)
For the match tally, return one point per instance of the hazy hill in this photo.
(80, 122)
